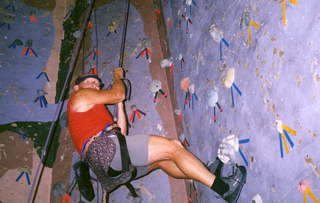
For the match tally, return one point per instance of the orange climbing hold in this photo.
(66, 199)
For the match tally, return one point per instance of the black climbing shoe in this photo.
(216, 167)
(235, 182)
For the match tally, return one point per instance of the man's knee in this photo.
(175, 146)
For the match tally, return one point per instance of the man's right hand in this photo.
(118, 73)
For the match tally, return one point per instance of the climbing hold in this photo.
(178, 112)
(181, 59)
(213, 102)
(147, 53)
(155, 88)
(216, 33)
(229, 78)
(33, 19)
(305, 188)
(185, 84)
(245, 19)
(112, 27)
(190, 97)
(28, 49)
(167, 63)
(227, 148)
(212, 98)
(284, 136)
(77, 34)
(217, 36)
(257, 199)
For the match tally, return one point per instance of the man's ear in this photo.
(76, 87)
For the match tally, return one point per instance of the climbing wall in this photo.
(27, 36)
(251, 69)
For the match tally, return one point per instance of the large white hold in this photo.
(227, 148)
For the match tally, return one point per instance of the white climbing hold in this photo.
(227, 148)
(257, 199)
(212, 98)
(192, 89)
(178, 112)
(155, 86)
(166, 63)
(189, 2)
(216, 33)
(279, 126)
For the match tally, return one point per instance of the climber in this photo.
(89, 118)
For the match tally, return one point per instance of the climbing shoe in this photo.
(235, 182)
(215, 167)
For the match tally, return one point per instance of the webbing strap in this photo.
(125, 157)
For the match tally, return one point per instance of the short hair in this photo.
(83, 77)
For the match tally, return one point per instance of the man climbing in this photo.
(90, 124)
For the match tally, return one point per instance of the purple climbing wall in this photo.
(26, 40)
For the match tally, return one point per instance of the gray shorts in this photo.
(138, 151)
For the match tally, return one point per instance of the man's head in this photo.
(88, 81)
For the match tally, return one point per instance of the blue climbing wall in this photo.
(19, 68)
(277, 72)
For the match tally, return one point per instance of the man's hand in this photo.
(118, 73)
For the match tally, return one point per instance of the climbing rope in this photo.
(124, 35)
(96, 35)
(40, 168)
(123, 43)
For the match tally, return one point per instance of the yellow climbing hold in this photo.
(229, 78)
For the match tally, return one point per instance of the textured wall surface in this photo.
(278, 75)
(19, 71)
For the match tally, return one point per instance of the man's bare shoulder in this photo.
(80, 100)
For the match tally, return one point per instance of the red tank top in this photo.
(84, 125)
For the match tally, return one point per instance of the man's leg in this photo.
(165, 153)
(162, 149)
(169, 167)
